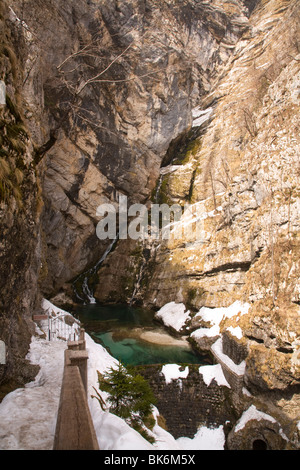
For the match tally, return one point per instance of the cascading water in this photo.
(156, 196)
(81, 285)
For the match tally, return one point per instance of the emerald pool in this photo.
(132, 336)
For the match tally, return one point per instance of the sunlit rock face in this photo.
(241, 176)
(246, 180)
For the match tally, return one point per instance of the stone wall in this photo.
(188, 403)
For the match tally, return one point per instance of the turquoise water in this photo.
(114, 327)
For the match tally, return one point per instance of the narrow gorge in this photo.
(185, 104)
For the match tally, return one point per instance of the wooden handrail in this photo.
(74, 426)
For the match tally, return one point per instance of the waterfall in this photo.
(158, 189)
(137, 284)
(86, 293)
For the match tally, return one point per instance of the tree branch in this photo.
(96, 77)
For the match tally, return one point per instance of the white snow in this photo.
(204, 439)
(174, 315)
(28, 415)
(2, 93)
(237, 331)
(173, 372)
(214, 316)
(217, 349)
(55, 326)
(209, 332)
(51, 309)
(201, 116)
(213, 372)
(165, 439)
(250, 414)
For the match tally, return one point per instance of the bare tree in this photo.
(250, 122)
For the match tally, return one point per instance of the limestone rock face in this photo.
(240, 177)
(20, 206)
(191, 103)
(102, 88)
(246, 184)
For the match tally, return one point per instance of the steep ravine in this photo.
(189, 102)
(242, 176)
(70, 142)
(109, 131)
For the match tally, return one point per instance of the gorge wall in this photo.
(186, 102)
(20, 209)
(119, 88)
(241, 178)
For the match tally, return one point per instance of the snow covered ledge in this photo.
(234, 373)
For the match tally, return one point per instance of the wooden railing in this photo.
(74, 426)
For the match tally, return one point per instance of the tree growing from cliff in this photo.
(129, 396)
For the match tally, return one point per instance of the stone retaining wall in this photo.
(188, 403)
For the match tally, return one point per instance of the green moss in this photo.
(10, 181)
(163, 195)
(137, 252)
(190, 151)
(127, 283)
(9, 52)
(17, 130)
(191, 190)
(191, 294)
(4, 153)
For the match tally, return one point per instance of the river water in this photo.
(132, 336)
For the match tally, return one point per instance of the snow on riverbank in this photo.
(214, 316)
(174, 315)
(28, 415)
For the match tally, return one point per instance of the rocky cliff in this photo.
(240, 176)
(117, 91)
(246, 181)
(95, 93)
(20, 209)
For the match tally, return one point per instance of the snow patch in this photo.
(237, 331)
(174, 315)
(210, 373)
(214, 316)
(203, 332)
(201, 116)
(204, 439)
(173, 372)
(250, 414)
